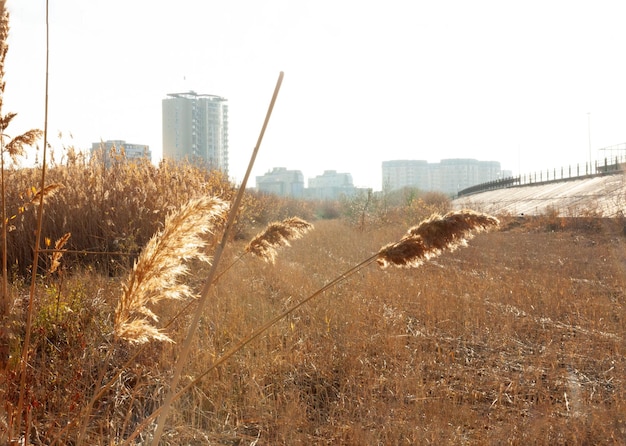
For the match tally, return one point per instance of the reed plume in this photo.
(55, 258)
(434, 235)
(155, 274)
(47, 192)
(17, 146)
(277, 234)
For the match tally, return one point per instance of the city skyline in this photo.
(534, 85)
(448, 176)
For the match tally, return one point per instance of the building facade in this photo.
(448, 176)
(330, 186)
(117, 146)
(195, 129)
(398, 174)
(282, 182)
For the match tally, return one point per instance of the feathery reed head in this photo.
(48, 192)
(16, 147)
(155, 275)
(434, 235)
(58, 253)
(265, 245)
(452, 229)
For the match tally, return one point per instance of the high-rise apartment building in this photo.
(195, 128)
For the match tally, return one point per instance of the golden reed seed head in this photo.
(409, 252)
(276, 235)
(162, 262)
(56, 256)
(48, 192)
(434, 235)
(16, 147)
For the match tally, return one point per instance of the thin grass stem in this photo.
(182, 359)
(31, 297)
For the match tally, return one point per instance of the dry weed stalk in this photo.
(15, 147)
(204, 294)
(434, 235)
(277, 234)
(155, 275)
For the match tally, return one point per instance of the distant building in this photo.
(448, 176)
(131, 151)
(330, 186)
(398, 174)
(282, 182)
(195, 128)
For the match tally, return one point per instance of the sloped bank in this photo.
(602, 195)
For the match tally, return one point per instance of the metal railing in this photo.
(606, 167)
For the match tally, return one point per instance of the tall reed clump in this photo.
(156, 273)
(115, 208)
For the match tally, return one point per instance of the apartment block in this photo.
(195, 129)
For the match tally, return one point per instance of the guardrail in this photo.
(608, 167)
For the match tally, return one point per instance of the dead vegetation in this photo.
(517, 338)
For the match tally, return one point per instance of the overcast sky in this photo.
(365, 81)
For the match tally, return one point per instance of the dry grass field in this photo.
(516, 339)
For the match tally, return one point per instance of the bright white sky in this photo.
(365, 81)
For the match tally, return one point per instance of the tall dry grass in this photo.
(460, 350)
(463, 347)
(117, 209)
(431, 236)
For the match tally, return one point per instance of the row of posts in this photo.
(538, 177)
(589, 170)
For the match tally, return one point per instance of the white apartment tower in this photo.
(195, 128)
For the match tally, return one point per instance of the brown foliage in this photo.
(516, 339)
